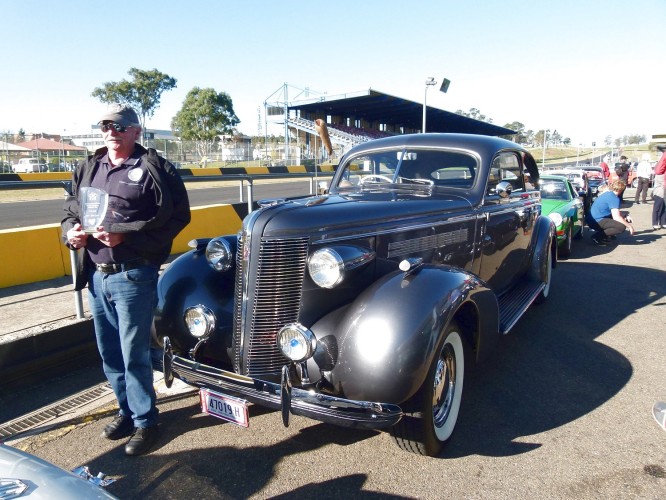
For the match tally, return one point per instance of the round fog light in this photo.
(200, 321)
(296, 342)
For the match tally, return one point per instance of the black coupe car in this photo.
(364, 306)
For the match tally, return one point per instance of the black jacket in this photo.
(151, 239)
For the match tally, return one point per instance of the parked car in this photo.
(23, 475)
(561, 203)
(25, 165)
(365, 305)
(579, 181)
(595, 179)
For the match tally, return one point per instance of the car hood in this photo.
(358, 212)
(548, 206)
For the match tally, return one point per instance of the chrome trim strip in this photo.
(248, 226)
(453, 220)
(425, 243)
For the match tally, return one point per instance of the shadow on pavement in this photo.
(550, 370)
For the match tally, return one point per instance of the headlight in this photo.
(556, 218)
(219, 254)
(200, 321)
(296, 342)
(329, 266)
(326, 267)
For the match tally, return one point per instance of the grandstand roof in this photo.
(375, 106)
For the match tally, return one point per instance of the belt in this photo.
(126, 266)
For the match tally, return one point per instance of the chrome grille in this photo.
(276, 302)
(238, 301)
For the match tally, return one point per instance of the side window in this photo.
(506, 167)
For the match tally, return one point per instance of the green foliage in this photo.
(205, 115)
(143, 92)
(474, 114)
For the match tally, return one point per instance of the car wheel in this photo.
(426, 430)
(634, 183)
(565, 249)
(543, 295)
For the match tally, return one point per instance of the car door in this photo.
(508, 222)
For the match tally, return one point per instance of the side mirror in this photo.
(504, 189)
(322, 187)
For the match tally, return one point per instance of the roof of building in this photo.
(42, 144)
(8, 146)
(375, 106)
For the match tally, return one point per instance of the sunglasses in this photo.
(115, 126)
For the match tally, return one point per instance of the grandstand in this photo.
(361, 116)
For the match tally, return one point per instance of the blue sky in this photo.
(586, 68)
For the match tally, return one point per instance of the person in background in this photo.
(643, 174)
(148, 206)
(606, 216)
(622, 171)
(658, 207)
(604, 167)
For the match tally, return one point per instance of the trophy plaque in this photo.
(94, 203)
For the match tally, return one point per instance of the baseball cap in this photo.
(121, 114)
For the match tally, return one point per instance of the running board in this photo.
(513, 305)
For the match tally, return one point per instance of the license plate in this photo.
(227, 408)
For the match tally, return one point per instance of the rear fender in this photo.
(384, 341)
(545, 240)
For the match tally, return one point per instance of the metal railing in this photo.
(246, 185)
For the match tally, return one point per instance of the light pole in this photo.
(578, 154)
(430, 81)
(543, 156)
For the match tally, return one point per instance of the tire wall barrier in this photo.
(36, 253)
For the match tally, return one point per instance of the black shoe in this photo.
(142, 440)
(120, 427)
(598, 239)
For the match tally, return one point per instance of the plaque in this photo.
(94, 203)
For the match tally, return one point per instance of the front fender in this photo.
(189, 281)
(387, 337)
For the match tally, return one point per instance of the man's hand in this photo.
(77, 237)
(108, 239)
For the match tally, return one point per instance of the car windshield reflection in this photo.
(420, 167)
(554, 191)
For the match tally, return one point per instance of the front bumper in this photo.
(284, 397)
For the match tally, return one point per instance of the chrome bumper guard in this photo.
(321, 407)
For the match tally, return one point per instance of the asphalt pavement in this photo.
(562, 410)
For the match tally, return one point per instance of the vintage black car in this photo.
(365, 305)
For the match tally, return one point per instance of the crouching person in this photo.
(605, 216)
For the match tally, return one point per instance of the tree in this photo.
(474, 114)
(519, 134)
(205, 115)
(143, 92)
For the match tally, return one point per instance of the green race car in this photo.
(560, 202)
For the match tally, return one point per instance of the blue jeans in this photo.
(122, 306)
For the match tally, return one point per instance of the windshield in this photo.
(554, 190)
(410, 166)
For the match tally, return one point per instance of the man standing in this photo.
(643, 174)
(147, 207)
(606, 215)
